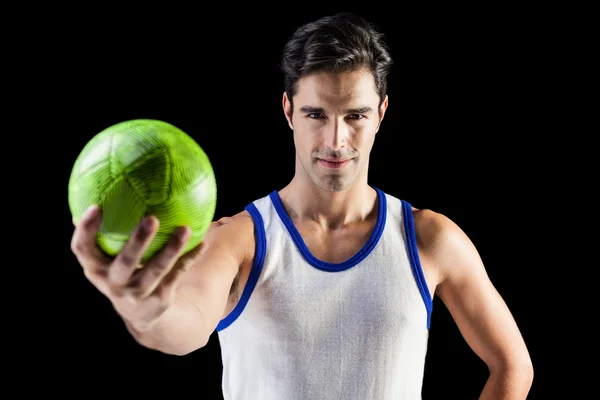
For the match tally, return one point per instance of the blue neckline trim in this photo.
(327, 266)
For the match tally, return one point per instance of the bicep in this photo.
(480, 313)
(212, 274)
(482, 316)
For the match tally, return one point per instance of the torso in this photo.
(327, 247)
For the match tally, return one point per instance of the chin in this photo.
(334, 184)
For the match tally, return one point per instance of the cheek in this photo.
(303, 138)
(364, 139)
(305, 132)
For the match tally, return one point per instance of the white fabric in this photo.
(303, 333)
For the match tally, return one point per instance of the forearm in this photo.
(179, 331)
(508, 383)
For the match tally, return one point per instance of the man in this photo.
(322, 289)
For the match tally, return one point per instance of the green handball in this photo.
(141, 167)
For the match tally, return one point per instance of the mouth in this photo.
(334, 163)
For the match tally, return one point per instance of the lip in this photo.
(334, 163)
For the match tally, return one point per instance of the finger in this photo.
(166, 288)
(160, 265)
(84, 243)
(130, 256)
(97, 277)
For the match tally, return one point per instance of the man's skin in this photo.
(173, 304)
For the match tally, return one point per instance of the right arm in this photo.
(174, 303)
(202, 295)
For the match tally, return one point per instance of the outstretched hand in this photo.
(139, 293)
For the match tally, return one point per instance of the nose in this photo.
(337, 135)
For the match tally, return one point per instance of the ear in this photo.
(382, 110)
(287, 109)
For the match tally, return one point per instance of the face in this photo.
(335, 119)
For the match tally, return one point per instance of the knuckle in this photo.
(126, 260)
(117, 274)
(133, 286)
(116, 292)
(88, 223)
(157, 269)
(134, 295)
(173, 253)
(142, 232)
(179, 239)
(97, 276)
(89, 274)
(136, 288)
(173, 248)
(77, 247)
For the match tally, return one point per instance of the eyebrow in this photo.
(360, 110)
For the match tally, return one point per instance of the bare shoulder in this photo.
(236, 231)
(241, 220)
(444, 245)
(434, 229)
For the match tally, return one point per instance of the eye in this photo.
(314, 115)
(356, 116)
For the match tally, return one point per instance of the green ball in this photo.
(141, 167)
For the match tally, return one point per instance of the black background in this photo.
(465, 134)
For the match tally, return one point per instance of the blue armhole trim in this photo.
(259, 258)
(413, 252)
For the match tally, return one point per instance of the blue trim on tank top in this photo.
(327, 266)
(257, 265)
(415, 262)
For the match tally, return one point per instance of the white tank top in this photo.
(305, 329)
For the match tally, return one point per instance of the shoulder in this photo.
(235, 233)
(230, 236)
(443, 244)
(434, 229)
(231, 229)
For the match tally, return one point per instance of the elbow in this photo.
(523, 369)
(184, 350)
(523, 377)
(527, 374)
(179, 352)
(519, 373)
(181, 348)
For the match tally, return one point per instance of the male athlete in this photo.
(323, 288)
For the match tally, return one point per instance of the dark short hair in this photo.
(338, 43)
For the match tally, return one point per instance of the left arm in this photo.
(479, 311)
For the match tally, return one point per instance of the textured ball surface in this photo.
(142, 167)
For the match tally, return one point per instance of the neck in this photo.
(306, 202)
